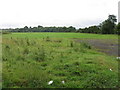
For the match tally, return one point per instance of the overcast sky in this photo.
(77, 13)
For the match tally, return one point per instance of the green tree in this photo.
(112, 18)
(71, 29)
(117, 29)
(107, 27)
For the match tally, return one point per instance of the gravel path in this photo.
(108, 46)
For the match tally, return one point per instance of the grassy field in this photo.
(60, 35)
(31, 60)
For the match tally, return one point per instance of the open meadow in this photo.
(32, 60)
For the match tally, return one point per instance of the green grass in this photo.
(60, 35)
(32, 60)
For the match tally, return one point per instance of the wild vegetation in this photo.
(31, 60)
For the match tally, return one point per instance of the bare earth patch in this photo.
(108, 46)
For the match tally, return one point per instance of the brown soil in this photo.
(108, 46)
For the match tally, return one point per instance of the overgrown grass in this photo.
(33, 62)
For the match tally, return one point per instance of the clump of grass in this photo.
(77, 63)
(77, 49)
(48, 39)
(44, 64)
(40, 55)
(77, 73)
(59, 41)
(61, 61)
(7, 47)
(61, 54)
(60, 74)
(26, 51)
(85, 45)
(33, 43)
(71, 44)
(16, 42)
(4, 58)
(28, 42)
(20, 57)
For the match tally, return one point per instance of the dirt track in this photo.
(108, 46)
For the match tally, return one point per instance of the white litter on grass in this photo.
(63, 82)
(110, 69)
(117, 57)
(50, 82)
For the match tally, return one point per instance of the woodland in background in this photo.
(106, 27)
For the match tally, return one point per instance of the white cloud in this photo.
(17, 13)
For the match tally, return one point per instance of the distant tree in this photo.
(94, 29)
(107, 27)
(40, 26)
(71, 29)
(112, 18)
(26, 27)
(63, 29)
(91, 29)
(117, 29)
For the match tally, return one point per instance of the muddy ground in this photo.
(108, 46)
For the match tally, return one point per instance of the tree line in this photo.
(106, 27)
(45, 29)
